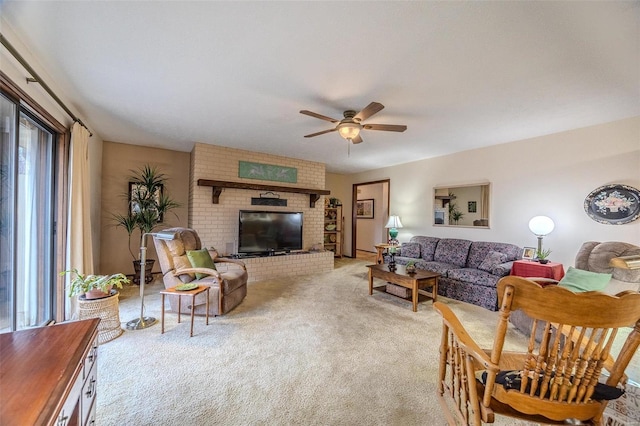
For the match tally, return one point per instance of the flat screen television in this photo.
(263, 232)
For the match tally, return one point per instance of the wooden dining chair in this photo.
(555, 381)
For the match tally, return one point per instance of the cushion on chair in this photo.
(176, 247)
(201, 259)
(512, 379)
(578, 280)
(492, 260)
(182, 262)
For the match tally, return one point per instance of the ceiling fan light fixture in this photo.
(349, 131)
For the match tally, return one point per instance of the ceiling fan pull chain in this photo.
(348, 148)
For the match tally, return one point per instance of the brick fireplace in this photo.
(217, 224)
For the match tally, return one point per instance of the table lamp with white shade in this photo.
(393, 224)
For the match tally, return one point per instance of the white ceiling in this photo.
(460, 75)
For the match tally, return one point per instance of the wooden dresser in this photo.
(48, 375)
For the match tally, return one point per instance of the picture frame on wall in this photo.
(472, 206)
(365, 209)
(138, 193)
(529, 253)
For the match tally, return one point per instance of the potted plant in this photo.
(542, 255)
(148, 204)
(454, 214)
(410, 267)
(93, 286)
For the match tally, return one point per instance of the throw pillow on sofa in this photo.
(491, 260)
(578, 280)
(201, 259)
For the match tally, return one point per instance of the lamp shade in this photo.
(394, 222)
(541, 225)
(165, 235)
(349, 131)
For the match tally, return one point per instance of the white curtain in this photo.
(28, 236)
(484, 202)
(79, 244)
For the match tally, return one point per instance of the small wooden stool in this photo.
(191, 293)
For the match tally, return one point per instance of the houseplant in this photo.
(542, 255)
(455, 214)
(93, 286)
(147, 206)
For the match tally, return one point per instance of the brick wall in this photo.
(217, 224)
(263, 268)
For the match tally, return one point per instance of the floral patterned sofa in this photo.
(469, 270)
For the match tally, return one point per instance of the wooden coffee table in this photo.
(414, 282)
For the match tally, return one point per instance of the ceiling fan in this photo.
(349, 127)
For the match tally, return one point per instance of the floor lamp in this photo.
(144, 322)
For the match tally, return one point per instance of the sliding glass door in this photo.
(27, 276)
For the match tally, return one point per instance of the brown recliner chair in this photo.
(228, 284)
(593, 256)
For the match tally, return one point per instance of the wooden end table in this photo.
(380, 248)
(190, 293)
(400, 277)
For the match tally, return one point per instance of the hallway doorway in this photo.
(370, 210)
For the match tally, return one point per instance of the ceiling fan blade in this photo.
(387, 127)
(368, 111)
(320, 116)
(357, 139)
(320, 133)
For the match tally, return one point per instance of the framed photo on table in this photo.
(529, 253)
(364, 209)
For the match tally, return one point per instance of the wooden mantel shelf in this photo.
(218, 185)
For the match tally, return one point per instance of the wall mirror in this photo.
(462, 205)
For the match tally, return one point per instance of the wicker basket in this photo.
(399, 291)
(107, 310)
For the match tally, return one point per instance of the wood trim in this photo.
(61, 199)
(15, 91)
(218, 185)
(354, 200)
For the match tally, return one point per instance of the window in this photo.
(27, 218)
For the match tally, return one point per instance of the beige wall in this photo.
(549, 175)
(118, 159)
(217, 224)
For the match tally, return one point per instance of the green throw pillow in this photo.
(578, 280)
(201, 259)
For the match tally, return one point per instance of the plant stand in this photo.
(148, 274)
(107, 310)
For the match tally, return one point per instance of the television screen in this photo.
(263, 231)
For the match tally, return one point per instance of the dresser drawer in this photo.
(91, 359)
(89, 393)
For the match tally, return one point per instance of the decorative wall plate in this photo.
(613, 204)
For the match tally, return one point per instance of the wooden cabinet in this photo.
(333, 229)
(49, 375)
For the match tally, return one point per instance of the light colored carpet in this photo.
(314, 350)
